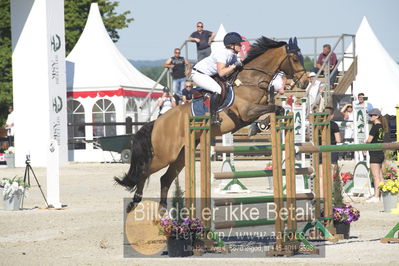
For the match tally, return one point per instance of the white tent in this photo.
(218, 41)
(378, 73)
(102, 86)
(95, 62)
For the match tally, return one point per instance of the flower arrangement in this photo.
(184, 229)
(341, 212)
(346, 214)
(10, 150)
(346, 176)
(12, 186)
(390, 173)
(391, 186)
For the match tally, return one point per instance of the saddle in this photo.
(205, 94)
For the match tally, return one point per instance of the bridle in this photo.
(290, 52)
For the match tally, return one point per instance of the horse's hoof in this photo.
(132, 205)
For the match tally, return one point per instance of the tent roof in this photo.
(218, 41)
(378, 73)
(96, 63)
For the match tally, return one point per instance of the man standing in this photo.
(203, 39)
(313, 91)
(180, 69)
(333, 61)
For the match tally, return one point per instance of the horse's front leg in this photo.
(138, 196)
(170, 175)
(257, 110)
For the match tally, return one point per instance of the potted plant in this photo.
(13, 189)
(389, 188)
(181, 235)
(343, 215)
(9, 157)
(181, 231)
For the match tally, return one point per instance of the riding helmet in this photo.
(232, 38)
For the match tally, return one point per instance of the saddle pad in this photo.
(200, 106)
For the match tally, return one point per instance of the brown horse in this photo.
(160, 143)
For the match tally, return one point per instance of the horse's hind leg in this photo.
(138, 196)
(170, 175)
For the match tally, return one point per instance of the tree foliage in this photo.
(76, 12)
(5, 60)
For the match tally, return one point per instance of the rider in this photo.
(221, 62)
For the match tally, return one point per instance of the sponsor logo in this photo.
(55, 42)
(57, 104)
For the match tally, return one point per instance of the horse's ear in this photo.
(290, 42)
(295, 42)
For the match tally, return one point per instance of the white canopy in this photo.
(218, 41)
(378, 73)
(96, 63)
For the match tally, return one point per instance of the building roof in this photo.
(95, 63)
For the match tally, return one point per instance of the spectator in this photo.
(362, 103)
(166, 102)
(203, 39)
(180, 69)
(187, 93)
(376, 135)
(314, 90)
(335, 139)
(10, 126)
(347, 113)
(333, 62)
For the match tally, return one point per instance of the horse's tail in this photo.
(142, 154)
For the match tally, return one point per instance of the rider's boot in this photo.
(215, 98)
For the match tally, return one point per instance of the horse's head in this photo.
(293, 65)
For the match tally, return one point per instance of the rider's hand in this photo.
(238, 63)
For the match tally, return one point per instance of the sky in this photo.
(160, 26)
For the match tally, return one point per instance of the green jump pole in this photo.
(257, 173)
(247, 223)
(253, 149)
(257, 199)
(309, 148)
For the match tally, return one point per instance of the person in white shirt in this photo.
(166, 102)
(313, 91)
(10, 126)
(278, 85)
(222, 62)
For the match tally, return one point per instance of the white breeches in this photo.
(206, 82)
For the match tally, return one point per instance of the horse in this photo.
(160, 143)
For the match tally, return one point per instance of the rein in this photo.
(272, 74)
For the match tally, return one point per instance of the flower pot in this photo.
(179, 247)
(13, 203)
(10, 160)
(389, 200)
(342, 228)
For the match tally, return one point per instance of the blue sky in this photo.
(160, 26)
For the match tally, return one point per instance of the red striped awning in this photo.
(110, 93)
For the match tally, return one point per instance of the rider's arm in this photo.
(224, 70)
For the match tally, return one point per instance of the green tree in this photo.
(153, 72)
(5, 60)
(76, 12)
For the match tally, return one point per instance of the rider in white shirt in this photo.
(222, 62)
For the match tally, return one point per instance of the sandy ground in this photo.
(90, 230)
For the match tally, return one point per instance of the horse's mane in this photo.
(260, 46)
